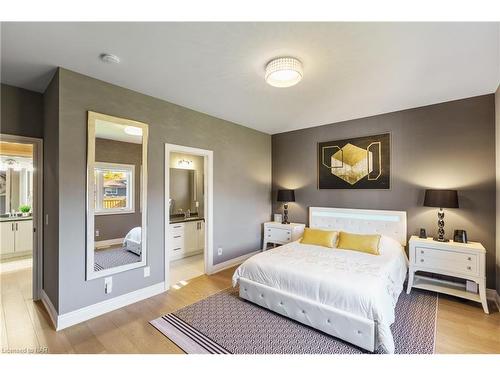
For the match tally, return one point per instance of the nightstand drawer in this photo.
(278, 234)
(450, 261)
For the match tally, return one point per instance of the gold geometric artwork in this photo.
(352, 163)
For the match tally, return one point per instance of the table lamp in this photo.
(286, 196)
(443, 199)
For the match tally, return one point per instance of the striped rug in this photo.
(224, 323)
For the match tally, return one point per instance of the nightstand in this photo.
(277, 233)
(462, 260)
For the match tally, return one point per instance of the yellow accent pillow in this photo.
(366, 243)
(326, 238)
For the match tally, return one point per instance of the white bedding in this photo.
(362, 284)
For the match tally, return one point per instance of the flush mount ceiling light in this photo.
(284, 72)
(132, 130)
(109, 58)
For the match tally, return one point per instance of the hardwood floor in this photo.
(462, 327)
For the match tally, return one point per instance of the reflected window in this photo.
(114, 185)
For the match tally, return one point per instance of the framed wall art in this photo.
(355, 163)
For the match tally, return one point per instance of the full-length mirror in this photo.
(116, 194)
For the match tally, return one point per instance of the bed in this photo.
(132, 241)
(347, 294)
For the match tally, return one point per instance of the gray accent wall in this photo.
(51, 192)
(242, 181)
(22, 112)
(448, 145)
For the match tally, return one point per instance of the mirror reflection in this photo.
(118, 153)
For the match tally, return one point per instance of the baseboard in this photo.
(492, 295)
(232, 262)
(77, 316)
(107, 243)
(49, 307)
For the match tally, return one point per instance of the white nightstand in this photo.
(281, 234)
(462, 260)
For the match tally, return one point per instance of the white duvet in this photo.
(363, 284)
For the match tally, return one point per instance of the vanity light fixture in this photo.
(284, 72)
(109, 58)
(133, 130)
(185, 164)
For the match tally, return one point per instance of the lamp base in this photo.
(285, 214)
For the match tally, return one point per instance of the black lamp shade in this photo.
(286, 196)
(441, 198)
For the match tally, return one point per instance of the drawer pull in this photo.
(177, 236)
(268, 235)
(469, 258)
(177, 226)
(422, 260)
(421, 251)
(469, 268)
(177, 248)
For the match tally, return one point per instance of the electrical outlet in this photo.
(97, 232)
(147, 271)
(219, 251)
(108, 285)
(46, 219)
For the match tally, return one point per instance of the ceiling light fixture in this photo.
(109, 58)
(132, 130)
(284, 72)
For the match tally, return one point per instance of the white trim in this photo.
(49, 307)
(492, 295)
(90, 211)
(208, 197)
(37, 210)
(110, 242)
(233, 262)
(81, 315)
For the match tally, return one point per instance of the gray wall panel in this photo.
(242, 181)
(22, 112)
(448, 145)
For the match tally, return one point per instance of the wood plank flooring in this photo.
(462, 327)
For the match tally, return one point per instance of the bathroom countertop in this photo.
(16, 218)
(186, 219)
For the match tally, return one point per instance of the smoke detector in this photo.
(109, 58)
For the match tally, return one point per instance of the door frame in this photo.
(37, 207)
(208, 189)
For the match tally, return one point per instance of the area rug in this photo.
(104, 259)
(225, 323)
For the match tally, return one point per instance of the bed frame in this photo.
(357, 330)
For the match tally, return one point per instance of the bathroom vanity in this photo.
(16, 236)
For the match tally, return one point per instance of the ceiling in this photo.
(351, 70)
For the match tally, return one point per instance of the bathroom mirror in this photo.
(182, 191)
(116, 194)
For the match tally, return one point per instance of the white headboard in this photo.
(389, 223)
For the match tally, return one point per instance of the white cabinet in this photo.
(16, 237)
(187, 238)
(277, 233)
(462, 260)
(24, 236)
(7, 240)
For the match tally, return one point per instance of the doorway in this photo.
(188, 214)
(21, 184)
